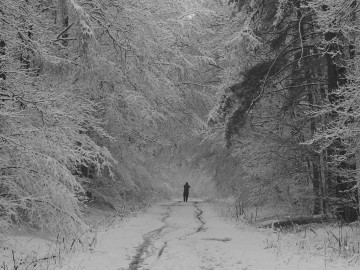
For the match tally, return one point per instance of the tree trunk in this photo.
(2, 53)
(316, 180)
(358, 181)
(316, 164)
(63, 19)
(333, 83)
(352, 52)
(324, 184)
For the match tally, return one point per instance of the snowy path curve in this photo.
(186, 236)
(181, 222)
(194, 237)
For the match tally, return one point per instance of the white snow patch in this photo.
(188, 236)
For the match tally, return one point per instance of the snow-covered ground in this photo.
(188, 236)
(177, 235)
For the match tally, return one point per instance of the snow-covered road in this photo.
(187, 236)
(193, 237)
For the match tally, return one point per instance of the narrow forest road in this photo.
(188, 240)
(186, 236)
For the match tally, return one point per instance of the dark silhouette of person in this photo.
(186, 192)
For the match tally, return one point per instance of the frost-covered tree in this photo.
(89, 84)
(44, 122)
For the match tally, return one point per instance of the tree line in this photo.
(289, 109)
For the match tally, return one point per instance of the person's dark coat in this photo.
(186, 188)
(186, 191)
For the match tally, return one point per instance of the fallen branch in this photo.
(290, 222)
(63, 31)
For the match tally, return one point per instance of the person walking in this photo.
(186, 192)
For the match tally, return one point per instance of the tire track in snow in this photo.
(199, 217)
(162, 250)
(148, 239)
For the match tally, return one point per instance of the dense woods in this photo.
(123, 100)
(290, 115)
(91, 91)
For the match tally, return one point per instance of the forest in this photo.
(122, 101)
